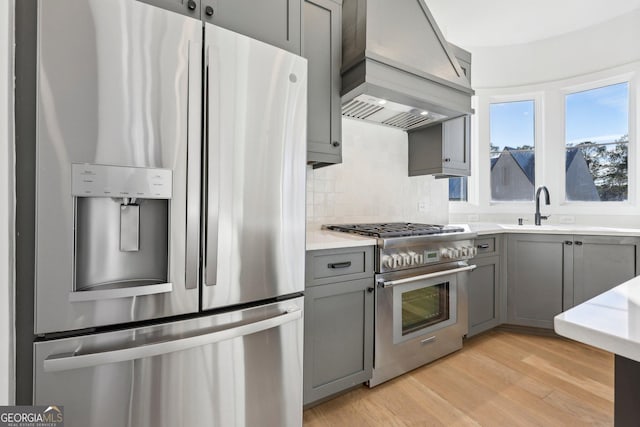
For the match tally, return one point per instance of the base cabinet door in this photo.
(539, 277)
(601, 263)
(484, 295)
(338, 337)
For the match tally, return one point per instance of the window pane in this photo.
(458, 189)
(512, 151)
(597, 143)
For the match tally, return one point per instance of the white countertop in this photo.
(489, 228)
(325, 239)
(610, 321)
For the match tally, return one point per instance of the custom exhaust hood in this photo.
(398, 70)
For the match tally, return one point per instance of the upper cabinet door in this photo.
(322, 46)
(186, 7)
(276, 22)
(455, 135)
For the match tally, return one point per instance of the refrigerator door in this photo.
(119, 115)
(256, 149)
(241, 368)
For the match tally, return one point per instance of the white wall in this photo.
(600, 47)
(6, 201)
(372, 183)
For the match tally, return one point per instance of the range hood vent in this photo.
(398, 70)
(378, 110)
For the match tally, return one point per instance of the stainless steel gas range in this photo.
(421, 293)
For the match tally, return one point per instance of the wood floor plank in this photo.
(499, 378)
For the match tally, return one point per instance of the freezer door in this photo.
(242, 368)
(256, 149)
(119, 88)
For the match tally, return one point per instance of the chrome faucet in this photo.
(539, 217)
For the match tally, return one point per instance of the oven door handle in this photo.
(388, 284)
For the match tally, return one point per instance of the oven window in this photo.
(424, 307)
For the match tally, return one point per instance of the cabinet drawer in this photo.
(334, 265)
(486, 245)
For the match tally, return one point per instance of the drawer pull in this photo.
(340, 264)
(483, 246)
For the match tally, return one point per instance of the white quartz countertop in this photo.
(610, 321)
(325, 239)
(489, 228)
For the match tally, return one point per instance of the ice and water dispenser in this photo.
(121, 231)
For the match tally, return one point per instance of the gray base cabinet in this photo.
(548, 274)
(485, 286)
(441, 149)
(601, 263)
(338, 324)
(539, 271)
(322, 46)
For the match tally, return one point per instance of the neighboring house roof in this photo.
(571, 154)
(527, 162)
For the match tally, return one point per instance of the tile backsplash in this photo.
(372, 183)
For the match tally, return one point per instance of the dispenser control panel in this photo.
(89, 180)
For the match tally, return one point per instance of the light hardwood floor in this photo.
(498, 379)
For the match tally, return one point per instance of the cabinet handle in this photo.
(483, 246)
(340, 264)
(336, 143)
(568, 242)
(447, 159)
(191, 4)
(371, 289)
(208, 11)
(579, 243)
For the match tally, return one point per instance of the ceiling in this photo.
(474, 23)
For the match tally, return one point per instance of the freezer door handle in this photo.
(70, 361)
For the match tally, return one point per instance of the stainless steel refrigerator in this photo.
(170, 215)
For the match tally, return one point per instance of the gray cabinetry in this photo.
(548, 274)
(539, 277)
(322, 46)
(441, 149)
(277, 22)
(601, 263)
(464, 59)
(485, 290)
(338, 324)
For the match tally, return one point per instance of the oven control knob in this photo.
(387, 261)
(413, 258)
(474, 251)
(455, 252)
(406, 259)
(420, 258)
(464, 251)
(397, 261)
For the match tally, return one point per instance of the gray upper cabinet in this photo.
(601, 263)
(441, 149)
(539, 277)
(322, 46)
(186, 7)
(277, 22)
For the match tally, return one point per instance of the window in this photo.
(597, 144)
(458, 189)
(512, 157)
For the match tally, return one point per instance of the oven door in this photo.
(420, 316)
(424, 306)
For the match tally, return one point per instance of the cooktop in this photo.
(394, 229)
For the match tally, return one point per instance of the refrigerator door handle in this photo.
(194, 165)
(70, 361)
(212, 184)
